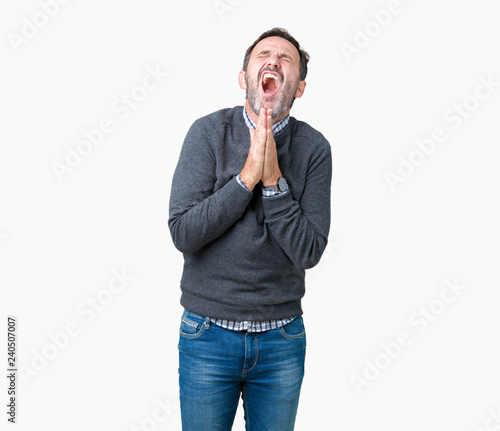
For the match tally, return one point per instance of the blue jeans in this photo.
(216, 365)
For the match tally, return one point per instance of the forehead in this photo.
(278, 44)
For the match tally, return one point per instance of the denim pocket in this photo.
(294, 330)
(192, 324)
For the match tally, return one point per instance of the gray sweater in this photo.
(245, 255)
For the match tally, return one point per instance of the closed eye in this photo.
(264, 54)
(267, 53)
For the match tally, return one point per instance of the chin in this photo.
(267, 104)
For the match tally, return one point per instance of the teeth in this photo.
(267, 76)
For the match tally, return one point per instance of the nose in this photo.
(273, 61)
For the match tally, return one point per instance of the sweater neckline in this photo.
(283, 133)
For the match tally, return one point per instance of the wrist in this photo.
(271, 181)
(249, 183)
(281, 186)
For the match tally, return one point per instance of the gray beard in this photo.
(280, 107)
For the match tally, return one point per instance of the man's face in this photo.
(272, 79)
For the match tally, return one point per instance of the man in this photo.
(250, 210)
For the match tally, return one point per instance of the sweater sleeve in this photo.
(198, 214)
(301, 227)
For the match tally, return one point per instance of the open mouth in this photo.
(270, 83)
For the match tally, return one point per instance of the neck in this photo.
(255, 117)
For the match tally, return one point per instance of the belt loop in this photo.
(207, 323)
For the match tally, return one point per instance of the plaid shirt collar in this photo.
(277, 128)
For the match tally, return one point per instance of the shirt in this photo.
(254, 326)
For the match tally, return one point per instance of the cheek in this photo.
(292, 75)
(255, 68)
(254, 77)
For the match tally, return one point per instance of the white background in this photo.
(390, 251)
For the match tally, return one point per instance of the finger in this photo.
(261, 130)
(269, 137)
(261, 123)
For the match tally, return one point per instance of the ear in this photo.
(241, 80)
(300, 89)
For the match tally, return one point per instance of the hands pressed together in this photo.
(262, 161)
